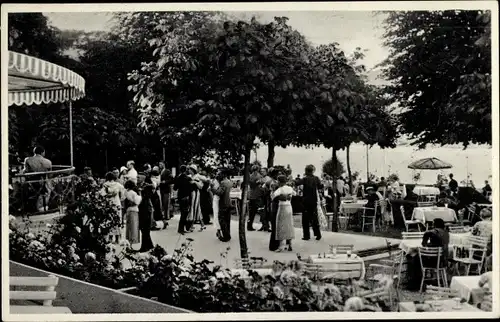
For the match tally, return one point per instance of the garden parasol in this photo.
(34, 81)
(429, 164)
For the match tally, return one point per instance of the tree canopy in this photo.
(440, 72)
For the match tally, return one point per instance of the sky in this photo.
(350, 29)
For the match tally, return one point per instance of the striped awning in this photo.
(36, 81)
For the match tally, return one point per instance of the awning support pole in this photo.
(71, 131)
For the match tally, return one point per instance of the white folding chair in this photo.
(409, 222)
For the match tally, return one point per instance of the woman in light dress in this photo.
(132, 201)
(195, 214)
(214, 185)
(285, 231)
(114, 191)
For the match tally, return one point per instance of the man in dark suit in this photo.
(183, 186)
(453, 185)
(311, 184)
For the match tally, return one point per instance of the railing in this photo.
(41, 192)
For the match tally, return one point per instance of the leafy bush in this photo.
(76, 247)
(87, 223)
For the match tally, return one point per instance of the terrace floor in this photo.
(206, 245)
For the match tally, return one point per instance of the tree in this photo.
(100, 138)
(440, 72)
(331, 170)
(229, 82)
(30, 34)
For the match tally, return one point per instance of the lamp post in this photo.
(367, 165)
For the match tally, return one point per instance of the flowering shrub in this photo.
(201, 286)
(87, 223)
(176, 279)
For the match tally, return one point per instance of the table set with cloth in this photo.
(340, 266)
(410, 246)
(446, 305)
(351, 207)
(428, 214)
(468, 288)
(426, 191)
(235, 194)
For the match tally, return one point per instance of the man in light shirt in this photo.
(131, 173)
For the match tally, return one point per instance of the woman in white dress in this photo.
(195, 214)
(132, 201)
(285, 231)
(114, 191)
(214, 185)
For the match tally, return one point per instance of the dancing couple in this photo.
(282, 231)
(190, 185)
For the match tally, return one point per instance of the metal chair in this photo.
(457, 229)
(409, 222)
(425, 204)
(412, 235)
(433, 253)
(472, 254)
(370, 220)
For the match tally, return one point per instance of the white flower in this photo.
(71, 250)
(278, 292)
(354, 304)
(36, 244)
(10, 232)
(60, 262)
(90, 256)
(11, 218)
(78, 229)
(166, 258)
(287, 276)
(30, 236)
(48, 225)
(125, 243)
(75, 257)
(263, 293)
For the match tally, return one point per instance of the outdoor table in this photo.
(409, 246)
(460, 238)
(339, 262)
(448, 305)
(426, 191)
(349, 208)
(468, 288)
(428, 214)
(235, 194)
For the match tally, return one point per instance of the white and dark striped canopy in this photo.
(36, 81)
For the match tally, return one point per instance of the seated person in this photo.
(446, 200)
(437, 237)
(484, 227)
(486, 189)
(371, 196)
(410, 195)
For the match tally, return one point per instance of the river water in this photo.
(476, 160)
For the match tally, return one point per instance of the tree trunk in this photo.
(270, 154)
(242, 221)
(335, 217)
(348, 157)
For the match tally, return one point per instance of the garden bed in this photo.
(76, 247)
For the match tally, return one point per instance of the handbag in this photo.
(323, 223)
